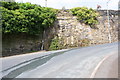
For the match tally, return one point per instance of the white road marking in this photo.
(99, 64)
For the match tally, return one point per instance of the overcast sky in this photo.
(113, 4)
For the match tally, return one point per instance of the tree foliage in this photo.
(26, 18)
(85, 15)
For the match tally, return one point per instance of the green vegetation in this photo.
(26, 18)
(85, 15)
(55, 45)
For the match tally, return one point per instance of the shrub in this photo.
(26, 18)
(85, 15)
(55, 45)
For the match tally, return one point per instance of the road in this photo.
(84, 62)
(109, 68)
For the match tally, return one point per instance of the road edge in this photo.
(99, 64)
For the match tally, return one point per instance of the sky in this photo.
(68, 4)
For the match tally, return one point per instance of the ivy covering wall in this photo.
(85, 15)
(26, 18)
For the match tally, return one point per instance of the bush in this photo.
(55, 45)
(26, 18)
(85, 15)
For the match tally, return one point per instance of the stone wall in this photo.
(15, 44)
(101, 35)
(72, 33)
(68, 29)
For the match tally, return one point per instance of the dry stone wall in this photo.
(68, 29)
(72, 33)
(101, 35)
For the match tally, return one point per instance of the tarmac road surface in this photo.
(68, 63)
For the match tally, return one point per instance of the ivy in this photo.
(26, 18)
(85, 15)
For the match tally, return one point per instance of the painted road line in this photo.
(99, 64)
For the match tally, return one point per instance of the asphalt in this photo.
(71, 63)
(109, 68)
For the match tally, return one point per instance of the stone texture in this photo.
(73, 32)
(70, 31)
